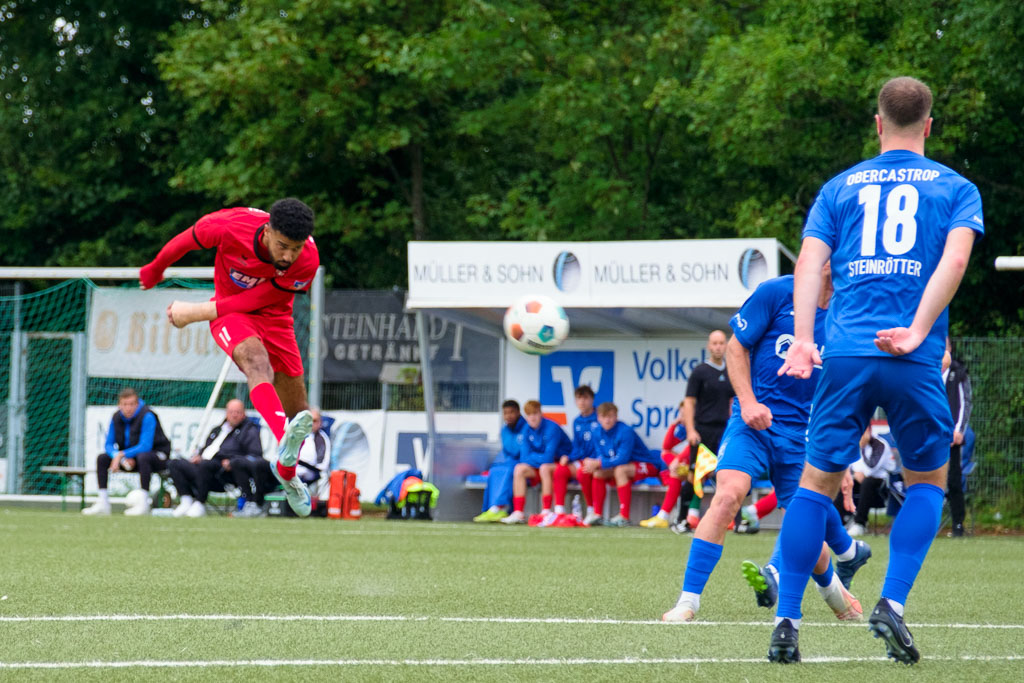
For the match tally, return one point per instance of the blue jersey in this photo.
(545, 444)
(764, 326)
(512, 440)
(886, 220)
(620, 446)
(582, 428)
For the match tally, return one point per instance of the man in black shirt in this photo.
(958, 391)
(706, 409)
(708, 397)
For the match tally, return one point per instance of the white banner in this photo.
(373, 444)
(646, 379)
(649, 274)
(129, 336)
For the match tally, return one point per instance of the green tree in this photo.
(85, 129)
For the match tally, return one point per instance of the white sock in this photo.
(559, 509)
(795, 622)
(897, 607)
(590, 509)
(833, 594)
(104, 497)
(546, 511)
(687, 599)
(187, 500)
(751, 511)
(848, 554)
(662, 515)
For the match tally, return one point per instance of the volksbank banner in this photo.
(651, 274)
(364, 331)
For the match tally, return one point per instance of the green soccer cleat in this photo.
(766, 590)
(491, 516)
(295, 491)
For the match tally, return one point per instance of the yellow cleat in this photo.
(655, 522)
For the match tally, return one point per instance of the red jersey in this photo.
(242, 262)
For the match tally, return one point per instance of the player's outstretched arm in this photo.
(737, 362)
(942, 285)
(803, 355)
(152, 273)
(181, 313)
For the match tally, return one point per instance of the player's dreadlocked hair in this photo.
(292, 218)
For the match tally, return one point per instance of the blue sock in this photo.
(703, 558)
(803, 531)
(825, 579)
(912, 534)
(836, 536)
(776, 558)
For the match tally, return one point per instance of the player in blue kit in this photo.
(765, 434)
(543, 443)
(898, 230)
(617, 455)
(498, 492)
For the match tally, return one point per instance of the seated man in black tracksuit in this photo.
(235, 438)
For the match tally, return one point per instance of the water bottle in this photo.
(655, 509)
(577, 509)
(240, 503)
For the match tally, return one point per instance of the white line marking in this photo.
(181, 664)
(472, 620)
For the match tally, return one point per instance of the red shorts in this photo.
(276, 332)
(644, 470)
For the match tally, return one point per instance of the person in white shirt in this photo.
(877, 461)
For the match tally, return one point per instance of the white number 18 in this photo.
(900, 208)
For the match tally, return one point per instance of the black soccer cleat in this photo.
(886, 624)
(783, 648)
(766, 590)
(846, 570)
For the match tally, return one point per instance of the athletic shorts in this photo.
(276, 332)
(912, 395)
(755, 452)
(645, 470)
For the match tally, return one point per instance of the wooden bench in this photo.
(67, 473)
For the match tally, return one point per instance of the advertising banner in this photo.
(367, 335)
(646, 379)
(651, 274)
(129, 336)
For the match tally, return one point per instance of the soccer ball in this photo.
(536, 325)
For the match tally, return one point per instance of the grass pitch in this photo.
(284, 599)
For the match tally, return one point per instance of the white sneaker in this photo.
(680, 614)
(97, 508)
(593, 519)
(251, 509)
(196, 509)
(138, 510)
(182, 509)
(548, 520)
(517, 517)
(856, 530)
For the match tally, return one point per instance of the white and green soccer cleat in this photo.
(295, 491)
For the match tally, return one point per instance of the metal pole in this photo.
(193, 448)
(76, 434)
(15, 396)
(428, 388)
(316, 362)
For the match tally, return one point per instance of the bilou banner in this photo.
(129, 336)
(369, 336)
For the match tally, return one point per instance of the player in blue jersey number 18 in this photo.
(898, 230)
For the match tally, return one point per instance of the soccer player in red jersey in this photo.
(262, 261)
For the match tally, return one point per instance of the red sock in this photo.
(625, 498)
(586, 480)
(598, 492)
(546, 501)
(264, 399)
(518, 503)
(765, 505)
(672, 495)
(560, 481)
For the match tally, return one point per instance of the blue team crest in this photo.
(299, 284)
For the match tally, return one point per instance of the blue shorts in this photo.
(755, 452)
(912, 395)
